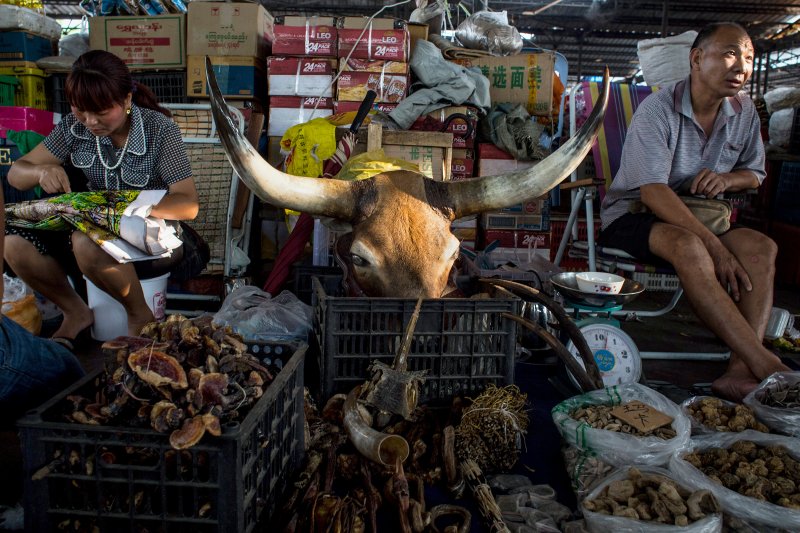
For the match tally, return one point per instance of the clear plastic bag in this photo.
(622, 449)
(19, 304)
(490, 31)
(598, 522)
(699, 428)
(782, 419)
(751, 510)
(256, 316)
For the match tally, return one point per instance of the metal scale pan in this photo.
(567, 285)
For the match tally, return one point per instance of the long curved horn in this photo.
(493, 192)
(330, 198)
(383, 448)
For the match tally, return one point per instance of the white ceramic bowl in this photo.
(599, 282)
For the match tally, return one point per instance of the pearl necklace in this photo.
(119, 159)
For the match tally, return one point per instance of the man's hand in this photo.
(709, 183)
(53, 179)
(729, 271)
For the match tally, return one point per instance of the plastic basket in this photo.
(657, 282)
(8, 88)
(463, 344)
(329, 277)
(222, 484)
(30, 92)
(169, 86)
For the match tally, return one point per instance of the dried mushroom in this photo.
(653, 498)
(721, 416)
(600, 417)
(766, 473)
(780, 395)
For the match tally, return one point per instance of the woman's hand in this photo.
(53, 179)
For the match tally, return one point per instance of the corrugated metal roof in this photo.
(595, 33)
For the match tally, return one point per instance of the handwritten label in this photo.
(641, 416)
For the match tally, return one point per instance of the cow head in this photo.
(400, 243)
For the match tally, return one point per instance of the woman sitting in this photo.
(122, 139)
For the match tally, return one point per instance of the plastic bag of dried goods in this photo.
(776, 402)
(709, 414)
(702, 515)
(614, 447)
(760, 513)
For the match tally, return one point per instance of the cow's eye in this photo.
(358, 260)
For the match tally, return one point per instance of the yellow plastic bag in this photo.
(25, 313)
(364, 166)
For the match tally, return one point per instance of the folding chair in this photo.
(217, 186)
(606, 152)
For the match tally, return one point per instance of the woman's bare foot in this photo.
(734, 387)
(137, 322)
(74, 322)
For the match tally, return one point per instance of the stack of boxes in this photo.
(301, 72)
(525, 79)
(236, 38)
(25, 37)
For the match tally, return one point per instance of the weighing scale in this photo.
(615, 353)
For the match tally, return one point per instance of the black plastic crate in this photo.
(222, 484)
(169, 86)
(329, 277)
(464, 344)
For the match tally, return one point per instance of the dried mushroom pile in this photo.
(185, 377)
(600, 417)
(716, 414)
(782, 396)
(765, 473)
(652, 497)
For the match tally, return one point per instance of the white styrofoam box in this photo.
(20, 18)
(665, 60)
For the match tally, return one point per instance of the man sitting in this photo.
(702, 135)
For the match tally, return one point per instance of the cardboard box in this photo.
(23, 46)
(238, 77)
(358, 23)
(417, 31)
(142, 42)
(375, 44)
(373, 65)
(228, 29)
(462, 168)
(305, 36)
(500, 220)
(521, 79)
(517, 238)
(429, 159)
(345, 107)
(287, 111)
(27, 118)
(353, 86)
(463, 130)
(300, 76)
(493, 161)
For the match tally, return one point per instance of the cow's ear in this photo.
(334, 224)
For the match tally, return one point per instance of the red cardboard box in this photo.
(300, 76)
(463, 130)
(305, 36)
(374, 44)
(461, 168)
(344, 107)
(353, 86)
(373, 65)
(27, 118)
(287, 111)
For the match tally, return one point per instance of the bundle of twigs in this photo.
(483, 494)
(492, 429)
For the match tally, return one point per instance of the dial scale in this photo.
(614, 351)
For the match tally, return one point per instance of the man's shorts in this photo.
(631, 233)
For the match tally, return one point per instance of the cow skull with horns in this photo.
(400, 242)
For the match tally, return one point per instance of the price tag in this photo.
(641, 416)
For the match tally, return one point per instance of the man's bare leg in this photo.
(45, 276)
(750, 360)
(118, 280)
